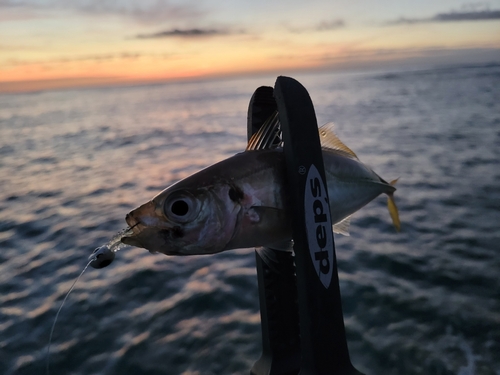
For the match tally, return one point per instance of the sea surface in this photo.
(74, 162)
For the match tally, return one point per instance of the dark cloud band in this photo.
(188, 33)
(468, 16)
(484, 15)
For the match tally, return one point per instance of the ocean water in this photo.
(74, 162)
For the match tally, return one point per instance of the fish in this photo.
(243, 201)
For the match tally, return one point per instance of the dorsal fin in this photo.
(330, 141)
(268, 136)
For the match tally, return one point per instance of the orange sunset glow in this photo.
(48, 44)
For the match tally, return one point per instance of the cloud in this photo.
(453, 16)
(186, 33)
(145, 11)
(97, 58)
(329, 25)
(468, 16)
(9, 3)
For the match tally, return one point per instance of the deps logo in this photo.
(319, 226)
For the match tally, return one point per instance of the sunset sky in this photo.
(64, 43)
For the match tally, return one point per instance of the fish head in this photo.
(183, 221)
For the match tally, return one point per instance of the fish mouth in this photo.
(147, 230)
(136, 227)
(131, 236)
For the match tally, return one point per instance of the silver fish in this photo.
(243, 202)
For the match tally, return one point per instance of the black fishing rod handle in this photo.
(324, 348)
(277, 284)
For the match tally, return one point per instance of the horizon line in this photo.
(84, 82)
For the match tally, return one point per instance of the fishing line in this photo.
(58, 311)
(100, 258)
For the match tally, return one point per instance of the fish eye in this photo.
(181, 207)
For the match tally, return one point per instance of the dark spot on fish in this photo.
(177, 232)
(236, 194)
(165, 234)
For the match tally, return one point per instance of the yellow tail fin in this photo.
(393, 210)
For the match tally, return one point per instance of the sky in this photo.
(64, 43)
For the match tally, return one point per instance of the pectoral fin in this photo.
(269, 216)
(260, 226)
